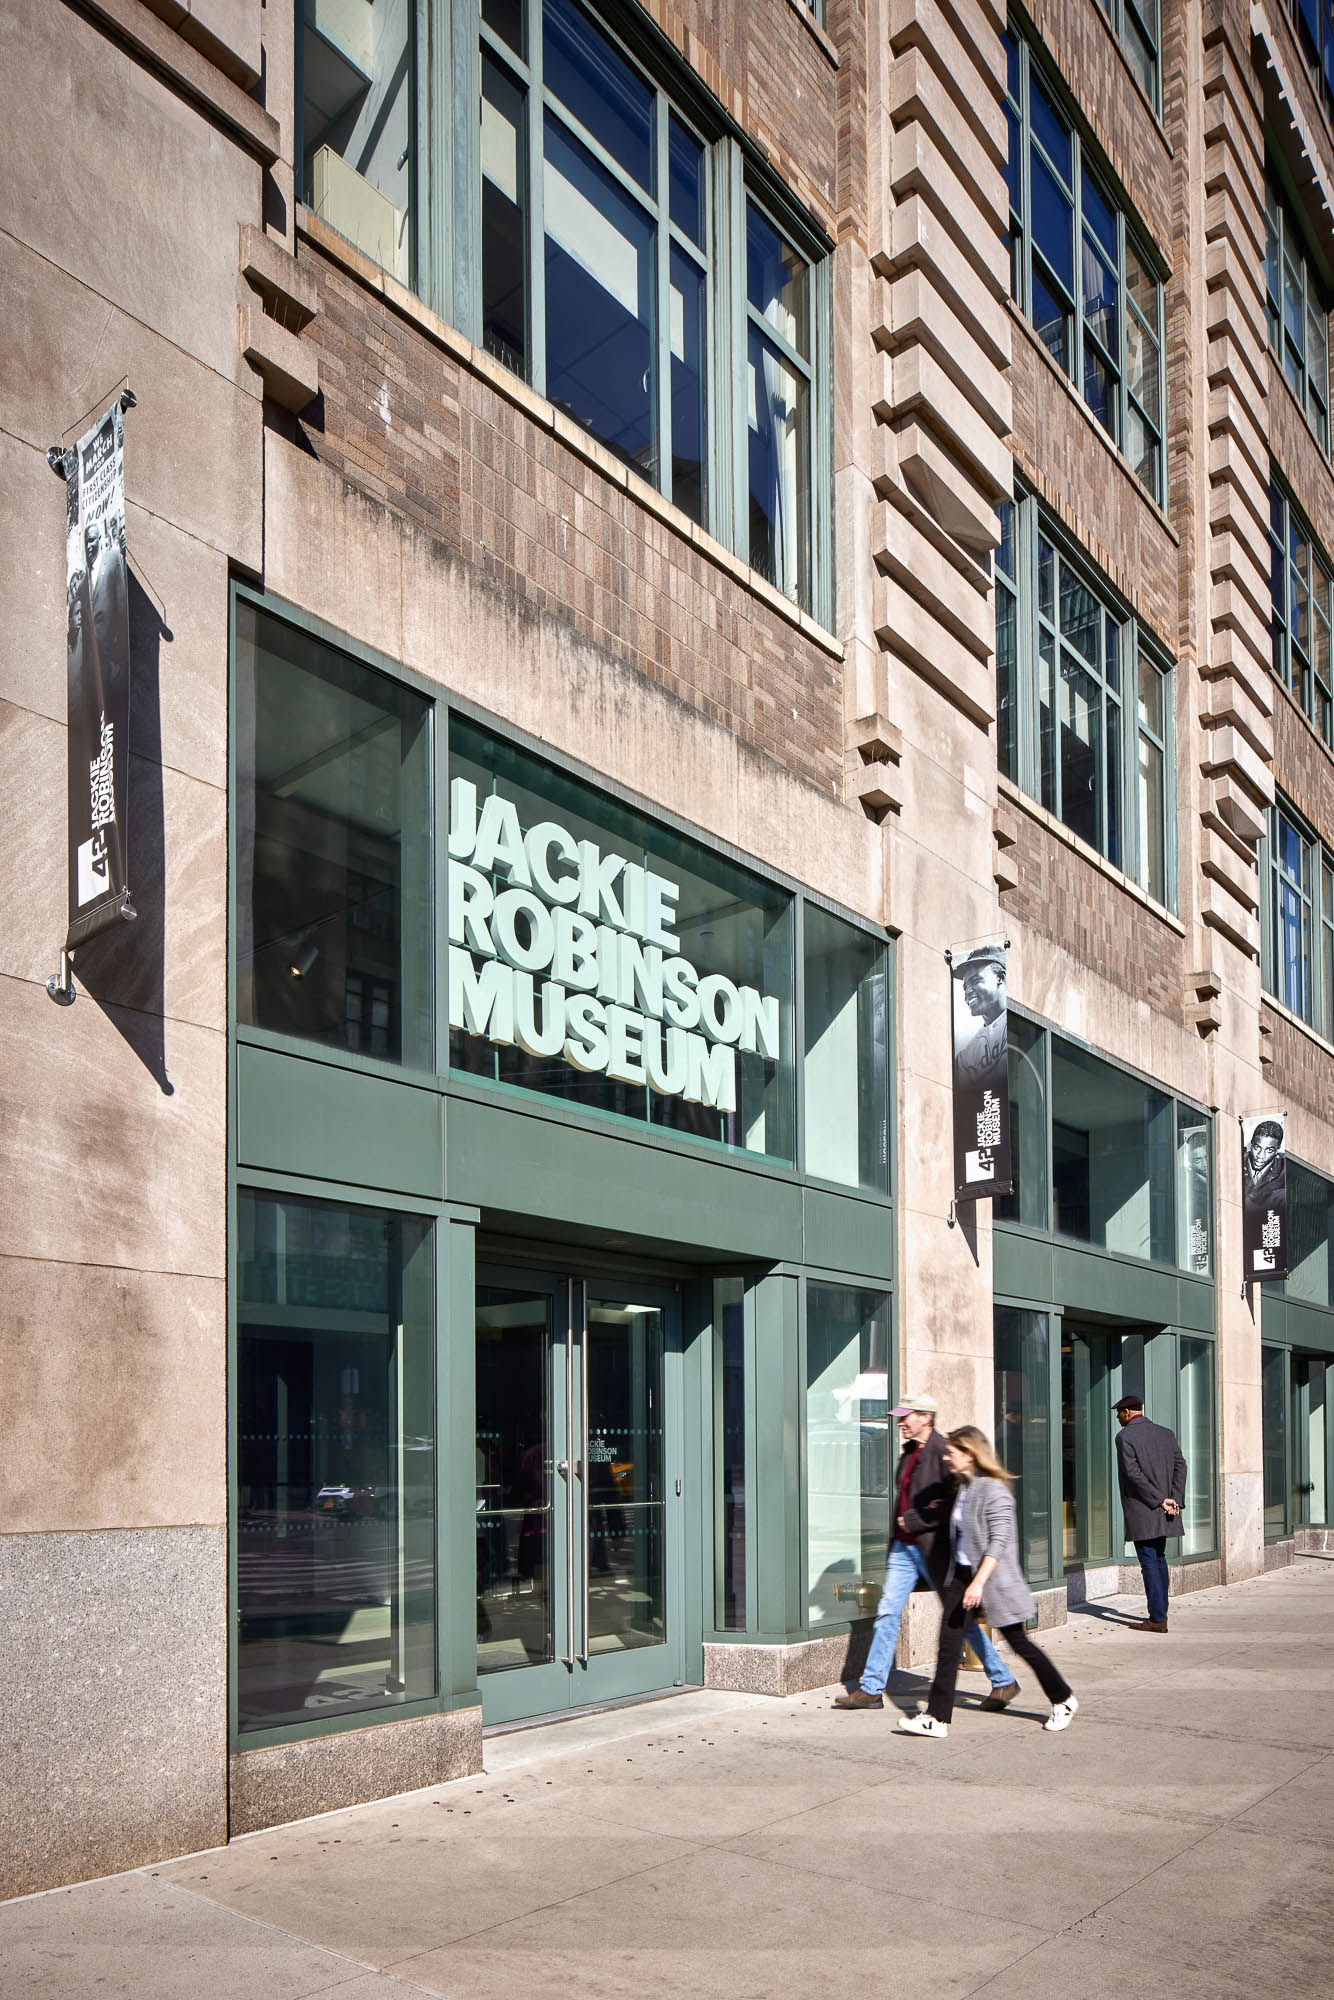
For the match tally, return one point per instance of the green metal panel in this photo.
(1302, 1324)
(523, 1163)
(779, 1611)
(1021, 1266)
(297, 1115)
(845, 1234)
(1089, 1281)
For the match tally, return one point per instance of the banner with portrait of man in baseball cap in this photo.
(981, 1072)
(1264, 1196)
(98, 671)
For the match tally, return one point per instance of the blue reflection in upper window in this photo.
(597, 86)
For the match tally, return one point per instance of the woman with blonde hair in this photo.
(984, 1570)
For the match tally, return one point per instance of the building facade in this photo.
(648, 528)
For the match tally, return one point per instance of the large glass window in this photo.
(1023, 1427)
(333, 851)
(358, 123)
(1084, 700)
(1078, 270)
(1301, 587)
(335, 1461)
(1274, 1439)
(1027, 1199)
(1135, 25)
(1297, 938)
(847, 1450)
(1310, 1236)
(600, 958)
(846, 1068)
(605, 283)
(1195, 1432)
(1298, 313)
(729, 1430)
(1112, 1165)
(1310, 1440)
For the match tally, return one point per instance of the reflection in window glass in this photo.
(1023, 1427)
(729, 1390)
(359, 124)
(504, 220)
(514, 1481)
(1196, 1436)
(1310, 1228)
(1194, 1206)
(846, 1076)
(689, 430)
(333, 872)
(1112, 1165)
(778, 464)
(777, 282)
(847, 1451)
(593, 82)
(601, 357)
(335, 1461)
(603, 959)
(1274, 1434)
(1310, 1443)
(1027, 1200)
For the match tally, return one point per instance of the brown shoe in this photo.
(858, 1698)
(1149, 1625)
(1001, 1697)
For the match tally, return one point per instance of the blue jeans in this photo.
(905, 1569)
(1153, 1564)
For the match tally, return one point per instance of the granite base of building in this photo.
(288, 1781)
(1279, 1554)
(1313, 1541)
(113, 1653)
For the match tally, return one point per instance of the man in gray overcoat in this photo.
(1151, 1473)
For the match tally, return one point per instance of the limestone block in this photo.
(121, 1421)
(288, 366)
(976, 221)
(228, 33)
(914, 384)
(916, 635)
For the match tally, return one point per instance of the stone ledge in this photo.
(319, 1774)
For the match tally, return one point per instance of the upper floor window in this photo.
(356, 67)
(1297, 934)
(1079, 272)
(1083, 700)
(1298, 313)
(1135, 25)
(610, 280)
(1300, 586)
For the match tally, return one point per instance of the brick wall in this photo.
(409, 424)
(1300, 1071)
(1303, 767)
(1065, 898)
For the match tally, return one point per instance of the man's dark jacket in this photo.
(1149, 1469)
(930, 1497)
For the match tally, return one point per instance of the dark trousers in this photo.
(954, 1623)
(1153, 1564)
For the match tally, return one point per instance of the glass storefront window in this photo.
(604, 960)
(1310, 1227)
(335, 1469)
(846, 1073)
(729, 1425)
(1310, 1391)
(1194, 1205)
(847, 1450)
(1023, 1426)
(515, 1476)
(1027, 1202)
(1195, 1434)
(333, 850)
(1274, 1429)
(1112, 1146)
(359, 123)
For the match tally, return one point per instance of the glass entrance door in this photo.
(578, 1492)
(1096, 1368)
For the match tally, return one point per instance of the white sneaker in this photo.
(1062, 1715)
(921, 1725)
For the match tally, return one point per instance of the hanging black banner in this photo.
(1264, 1197)
(98, 668)
(981, 1073)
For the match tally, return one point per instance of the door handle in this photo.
(583, 1462)
(563, 1467)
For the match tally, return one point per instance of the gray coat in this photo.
(1149, 1470)
(990, 1527)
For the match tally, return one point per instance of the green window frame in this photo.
(1297, 312)
(1301, 588)
(1297, 918)
(1136, 25)
(1083, 275)
(1085, 701)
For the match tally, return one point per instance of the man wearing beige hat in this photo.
(919, 1554)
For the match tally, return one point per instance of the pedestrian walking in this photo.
(1151, 1473)
(984, 1570)
(919, 1554)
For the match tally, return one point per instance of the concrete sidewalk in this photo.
(1175, 1841)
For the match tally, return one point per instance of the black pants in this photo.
(954, 1625)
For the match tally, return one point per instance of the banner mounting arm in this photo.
(60, 985)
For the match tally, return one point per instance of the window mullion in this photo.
(1025, 186)
(662, 332)
(1077, 196)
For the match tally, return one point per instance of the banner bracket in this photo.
(60, 985)
(952, 1218)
